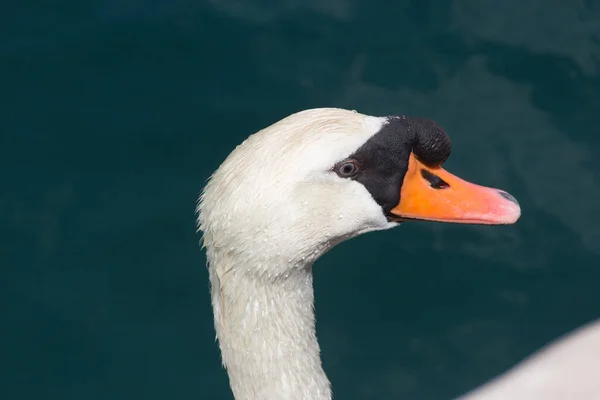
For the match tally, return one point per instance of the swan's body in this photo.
(568, 369)
(291, 192)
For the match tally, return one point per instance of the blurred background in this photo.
(115, 113)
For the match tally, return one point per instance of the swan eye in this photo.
(347, 168)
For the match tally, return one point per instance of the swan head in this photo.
(295, 189)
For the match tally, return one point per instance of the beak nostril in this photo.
(434, 181)
(508, 196)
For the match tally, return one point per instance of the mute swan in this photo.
(289, 193)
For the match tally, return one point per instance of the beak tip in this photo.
(512, 216)
(512, 209)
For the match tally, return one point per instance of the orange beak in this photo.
(432, 193)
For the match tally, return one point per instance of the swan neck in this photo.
(266, 331)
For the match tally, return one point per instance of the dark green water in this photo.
(114, 113)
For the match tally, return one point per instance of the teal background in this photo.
(115, 113)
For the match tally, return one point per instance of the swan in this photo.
(287, 195)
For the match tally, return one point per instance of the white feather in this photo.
(268, 212)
